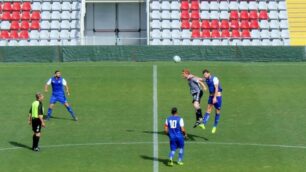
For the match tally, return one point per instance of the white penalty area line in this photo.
(155, 120)
(149, 143)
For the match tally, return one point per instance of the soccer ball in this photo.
(177, 59)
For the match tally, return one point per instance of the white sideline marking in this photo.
(145, 143)
(155, 120)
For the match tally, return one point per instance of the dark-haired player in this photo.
(215, 97)
(174, 128)
(58, 94)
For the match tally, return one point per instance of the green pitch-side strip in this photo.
(155, 120)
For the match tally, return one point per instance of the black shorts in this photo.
(36, 125)
(196, 97)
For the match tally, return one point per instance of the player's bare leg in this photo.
(69, 109)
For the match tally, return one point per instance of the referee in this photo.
(36, 119)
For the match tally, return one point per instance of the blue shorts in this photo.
(176, 143)
(217, 105)
(61, 99)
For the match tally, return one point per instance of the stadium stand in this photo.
(219, 22)
(36, 22)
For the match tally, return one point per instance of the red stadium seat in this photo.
(234, 24)
(194, 5)
(234, 15)
(25, 25)
(214, 24)
(26, 15)
(244, 24)
(7, 6)
(14, 34)
(235, 33)
(205, 24)
(244, 15)
(195, 15)
(196, 33)
(195, 24)
(184, 5)
(185, 24)
(245, 33)
(225, 33)
(253, 15)
(254, 24)
(15, 15)
(35, 25)
(14, 25)
(224, 24)
(24, 35)
(215, 33)
(16, 6)
(263, 15)
(35, 15)
(6, 15)
(26, 6)
(205, 33)
(184, 14)
(4, 34)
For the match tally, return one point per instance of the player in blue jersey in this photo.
(174, 128)
(196, 93)
(214, 99)
(58, 94)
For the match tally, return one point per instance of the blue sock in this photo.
(171, 155)
(49, 113)
(217, 118)
(206, 118)
(181, 154)
(70, 111)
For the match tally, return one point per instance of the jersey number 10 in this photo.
(173, 123)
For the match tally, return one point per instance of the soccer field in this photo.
(262, 126)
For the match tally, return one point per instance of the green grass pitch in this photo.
(262, 127)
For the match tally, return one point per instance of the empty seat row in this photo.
(14, 34)
(23, 25)
(186, 34)
(37, 6)
(16, 15)
(56, 15)
(224, 42)
(54, 34)
(215, 5)
(38, 42)
(64, 24)
(243, 15)
(223, 24)
(57, 6)
(15, 6)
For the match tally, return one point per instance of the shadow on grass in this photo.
(164, 161)
(191, 137)
(20, 145)
(61, 118)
